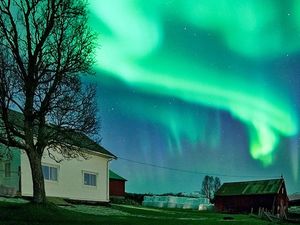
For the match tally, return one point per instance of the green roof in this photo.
(294, 197)
(114, 176)
(69, 137)
(258, 187)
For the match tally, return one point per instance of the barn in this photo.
(294, 199)
(116, 185)
(249, 196)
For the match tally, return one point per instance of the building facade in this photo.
(74, 179)
(250, 196)
(116, 185)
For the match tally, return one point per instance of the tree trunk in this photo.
(39, 195)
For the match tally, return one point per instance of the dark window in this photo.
(50, 173)
(7, 169)
(89, 179)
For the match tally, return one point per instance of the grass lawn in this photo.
(29, 214)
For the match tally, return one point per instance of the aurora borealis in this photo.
(207, 86)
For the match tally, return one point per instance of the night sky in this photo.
(199, 87)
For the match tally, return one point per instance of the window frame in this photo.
(7, 170)
(49, 166)
(89, 173)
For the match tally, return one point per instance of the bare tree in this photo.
(217, 185)
(210, 186)
(45, 48)
(207, 186)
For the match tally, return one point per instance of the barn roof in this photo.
(114, 176)
(70, 137)
(258, 187)
(294, 197)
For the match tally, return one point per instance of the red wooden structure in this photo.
(116, 185)
(251, 196)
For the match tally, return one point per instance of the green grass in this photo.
(29, 214)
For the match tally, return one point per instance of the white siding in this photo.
(70, 178)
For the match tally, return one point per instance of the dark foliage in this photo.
(138, 198)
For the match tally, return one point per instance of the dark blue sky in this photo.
(202, 87)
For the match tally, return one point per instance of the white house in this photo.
(75, 179)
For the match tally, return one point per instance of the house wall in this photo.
(70, 183)
(13, 180)
(116, 187)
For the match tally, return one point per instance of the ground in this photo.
(26, 213)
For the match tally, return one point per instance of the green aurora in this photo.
(188, 50)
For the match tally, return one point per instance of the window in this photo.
(50, 172)
(7, 169)
(89, 179)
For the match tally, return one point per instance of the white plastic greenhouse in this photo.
(201, 203)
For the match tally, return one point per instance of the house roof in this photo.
(114, 176)
(70, 137)
(82, 141)
(258, 187)
(294, 197)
